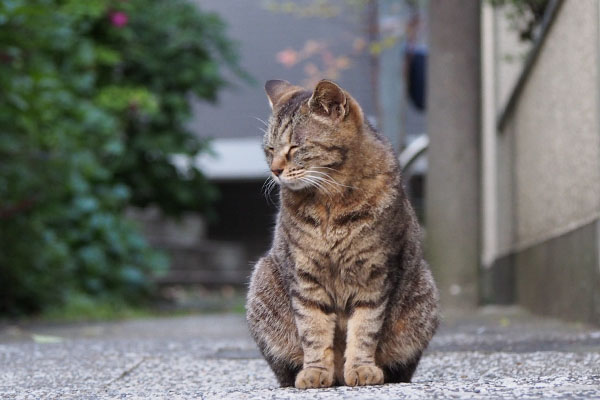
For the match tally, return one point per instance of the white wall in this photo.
(550, 151)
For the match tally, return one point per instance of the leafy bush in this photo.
(95, 97)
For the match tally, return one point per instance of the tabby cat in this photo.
(344, 295)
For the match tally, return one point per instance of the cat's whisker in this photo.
(332, 169)
(271, 186)
(267, 188)
(320, 172)
(266, 183)
(331, 180)
(322, 186)
(261, 120)
(319, 178)
(323, 189)
(264, 189)
(315, 183)
(324, 175)
(326, 182)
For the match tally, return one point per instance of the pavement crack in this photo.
(125, 372)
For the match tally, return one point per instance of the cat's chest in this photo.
(337, 245)
(335, 238)
(342, 255)
(331, 224)
(334, 232)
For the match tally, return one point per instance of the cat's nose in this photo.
(277, 171)
(278, 165)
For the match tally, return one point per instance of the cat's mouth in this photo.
(296, 179)
(311, 178)
(295, 182)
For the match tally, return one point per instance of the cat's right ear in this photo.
(276, 89)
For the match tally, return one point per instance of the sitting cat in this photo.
(344, 295)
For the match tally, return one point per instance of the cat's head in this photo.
(310, 134)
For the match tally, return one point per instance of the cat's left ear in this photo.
(330, 100)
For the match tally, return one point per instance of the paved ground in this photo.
(493, 353)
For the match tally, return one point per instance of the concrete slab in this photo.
(493, 353)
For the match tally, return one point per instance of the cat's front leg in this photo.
(363, 331)
(315, 320)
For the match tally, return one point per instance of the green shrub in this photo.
(94, 97)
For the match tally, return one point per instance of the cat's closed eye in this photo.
(292, 149)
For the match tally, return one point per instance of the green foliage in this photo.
(81, 307)
(94, 101)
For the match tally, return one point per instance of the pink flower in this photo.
(118, 19)
(287, 57)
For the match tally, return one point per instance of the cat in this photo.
(344, 295)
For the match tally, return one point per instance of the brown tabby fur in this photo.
(344, 295)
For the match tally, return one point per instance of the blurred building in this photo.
(276, 41)
(360, 45)
(513, 191)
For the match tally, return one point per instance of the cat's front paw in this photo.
(363, 375)
(312, 377)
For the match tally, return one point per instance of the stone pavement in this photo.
(491, 353)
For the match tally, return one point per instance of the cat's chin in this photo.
(294, 185)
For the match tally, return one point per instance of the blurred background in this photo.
(131, 168)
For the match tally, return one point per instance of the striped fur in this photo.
(344, 295)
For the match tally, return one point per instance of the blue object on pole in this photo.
(416, 83)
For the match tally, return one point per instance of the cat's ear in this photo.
(276, 90)
(330, 100)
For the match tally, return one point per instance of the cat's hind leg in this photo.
(411, 321)
(271, 322)
(400, 348)
(401, 372)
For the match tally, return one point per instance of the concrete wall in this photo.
(557, 131)
(549, 172)
(510, 53)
